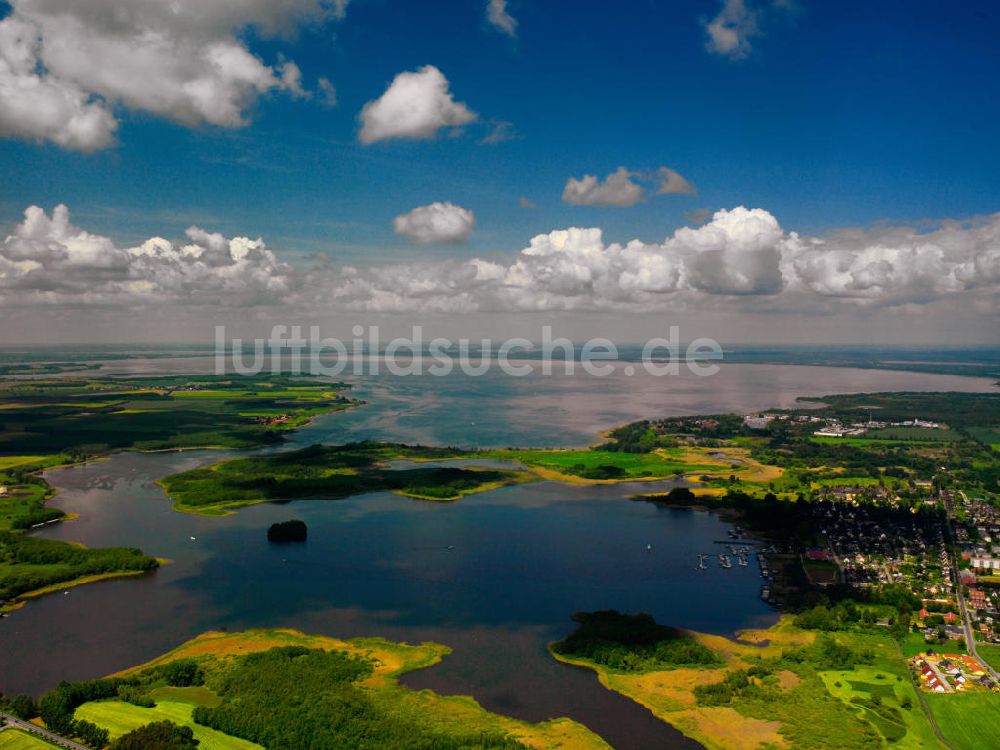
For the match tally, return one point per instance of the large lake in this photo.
(496, 576)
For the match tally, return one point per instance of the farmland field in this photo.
(970, 722)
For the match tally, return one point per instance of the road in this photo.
(55, 739)
(970, 634)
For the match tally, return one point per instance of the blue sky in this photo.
(844, 114)
(864, 135)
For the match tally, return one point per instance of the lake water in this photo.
(496, 576)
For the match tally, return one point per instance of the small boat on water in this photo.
(701, 562)
(725, 561)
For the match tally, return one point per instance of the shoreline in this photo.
(22, 599)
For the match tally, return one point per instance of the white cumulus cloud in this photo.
(417, 104)
(740, 260)
(65, 66)
(439, 222)
(48, 260)
(41, 107)
(737, 252)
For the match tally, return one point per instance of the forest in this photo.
(632, 643)
(28, 564)
(298, 697)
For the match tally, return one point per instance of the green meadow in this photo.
(781, 687)
(599, 464)
(14, 739)
(970, 721)
(991, 654)
(120, 718)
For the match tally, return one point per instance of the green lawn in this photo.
(23, 505)
(970, 721)
(889, 683)
(14, 739)
(991, 654)
(198, 696)
(31, 463)
(597, 464)
(119, 718)
(915, 644)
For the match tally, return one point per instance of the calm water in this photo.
(496, 576)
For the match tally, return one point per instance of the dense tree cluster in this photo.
(33, 563)
(738, 683)
(57, 708)
(637, 437)
(180, 673)
(632, 643)
(22, 706)
(294, 697)
(288, 531)
(160, 735)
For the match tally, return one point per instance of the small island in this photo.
(62, 421)
(287, 531)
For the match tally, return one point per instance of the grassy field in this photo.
(596, 465)
(31, 463)
(916, 644)
(796, 704)
(891, 689)
(970, 722)
(446, 713)
(23, 504)
(991, 654)
(120, 718)
(14, 739)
